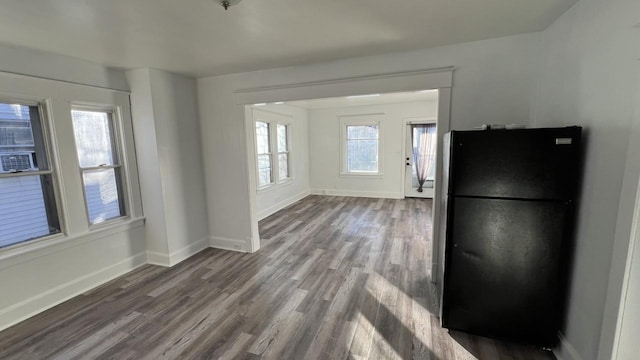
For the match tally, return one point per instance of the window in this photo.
(28, 207)
(100, 167)
(283, 151)
(273, 149)
(264, 153)
(361, 145)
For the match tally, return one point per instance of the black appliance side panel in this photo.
(503, 266)
(527, 164)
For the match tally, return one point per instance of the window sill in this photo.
(110, 223)
(362, 175)
(33, 249)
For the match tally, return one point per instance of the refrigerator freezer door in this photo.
(527, 164)
(503, 266)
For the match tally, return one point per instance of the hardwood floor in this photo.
(336, 278)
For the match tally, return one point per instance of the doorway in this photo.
(421, 138)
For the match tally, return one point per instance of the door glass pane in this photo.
(102, 193)
(424, 139)
(94, 138)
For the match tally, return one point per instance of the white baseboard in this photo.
(50, 298)
(188, 251)
(229, 244)
(281, 205)
(158, 258)
(566, 351)
(357, 193)
(169, 260)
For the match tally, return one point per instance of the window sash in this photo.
(118, 169)
(42, 206)
(349, 141)
(272, 141)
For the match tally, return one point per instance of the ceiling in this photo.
(378, 99)
(199, 38)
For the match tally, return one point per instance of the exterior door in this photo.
(420, 157)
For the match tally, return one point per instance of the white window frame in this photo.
(50, 150)
(119, 149)
(360, 120)
(273, 119)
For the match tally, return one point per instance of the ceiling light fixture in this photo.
(260, 104)
(279, 103)
(228, 3)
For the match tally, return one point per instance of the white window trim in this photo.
(120, 156)
(356, 120)
(273, 119)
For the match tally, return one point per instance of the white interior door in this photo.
(420, 146)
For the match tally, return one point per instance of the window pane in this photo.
(362, 132)
(94, 138)
(101, 189)
(362, 155)
(21, 139)
(264, 170)
(262, 137)
(283, 166)
(27, 209)
(282, 138)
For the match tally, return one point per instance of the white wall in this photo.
(169, 152)
(587, 77)
(39, 274)
(279, 196)
(46, 65)
(629, 317)
(493, 83)
(325, 157)
(628, 322)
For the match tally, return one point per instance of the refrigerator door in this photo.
(503, 268)
(525, 164)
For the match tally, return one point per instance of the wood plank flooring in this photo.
(336, 278)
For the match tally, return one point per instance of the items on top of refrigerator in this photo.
(499, 126)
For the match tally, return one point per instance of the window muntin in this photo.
(28, 207)
(96, 145)
(362, 148)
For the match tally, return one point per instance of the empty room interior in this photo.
(241, 179)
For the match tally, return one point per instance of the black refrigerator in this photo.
(510, 199)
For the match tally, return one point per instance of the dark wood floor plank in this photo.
(336, 278)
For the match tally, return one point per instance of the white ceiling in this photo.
(198, 37)
(391, 98)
